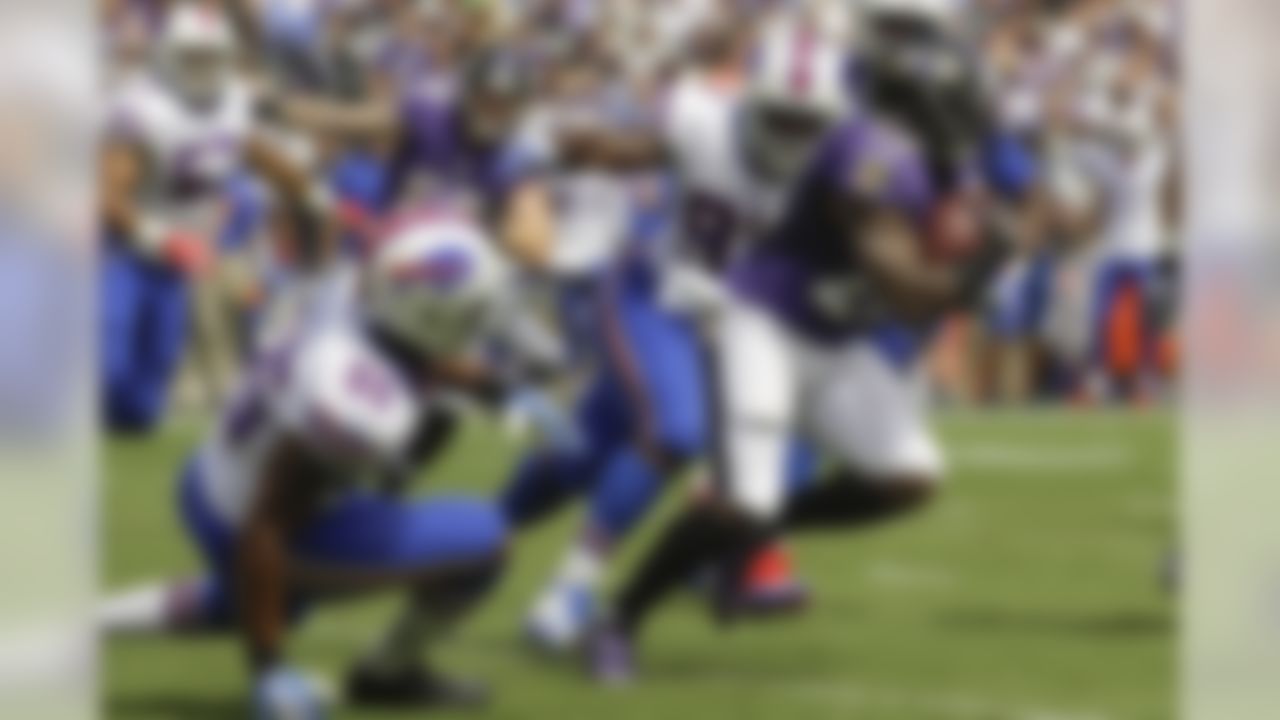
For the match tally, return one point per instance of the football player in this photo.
(296, 496)
(645, 415)
(180, 132)
(884, 232)
(472, 145)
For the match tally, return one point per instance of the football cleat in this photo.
(415, 686)
(610, 655)
(284, 694)
(560, 618)
(765, 587)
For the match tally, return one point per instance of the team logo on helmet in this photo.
(446, 269)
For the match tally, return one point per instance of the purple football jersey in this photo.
(436, 161)
(806, 270)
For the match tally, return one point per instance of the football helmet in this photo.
(796, 91)
(195, 53)
(435, 284)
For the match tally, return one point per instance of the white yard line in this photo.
(1060, 414)
(1043, 456)
(846, 696)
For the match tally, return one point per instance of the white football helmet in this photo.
(435, 284)
(195, 52)
(797, 90)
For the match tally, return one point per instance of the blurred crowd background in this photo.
(1085, 313)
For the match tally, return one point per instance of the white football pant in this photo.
(848, 400)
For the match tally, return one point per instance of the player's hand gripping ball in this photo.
(954, 231)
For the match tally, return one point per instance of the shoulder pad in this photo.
(344, 400)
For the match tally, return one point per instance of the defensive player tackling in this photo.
(295, 497)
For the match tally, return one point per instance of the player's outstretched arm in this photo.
(374, 119)
(528, 225)
(309, 207)
(612, 149)
(119, 174)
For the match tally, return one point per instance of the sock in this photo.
(543, 482)
(697, 537)
(847, 502)
(628, 487)
(568, 601)
(169, 606)
(583, 563)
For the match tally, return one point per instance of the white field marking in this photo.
(890, 574)
(833, 693)
(45, 656)
(1056, 715)
(952, 705)
(325, 685)
(1043, 457)
(1054, 414)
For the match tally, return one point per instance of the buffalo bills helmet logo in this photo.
(446, 269)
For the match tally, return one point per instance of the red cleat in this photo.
(766, 587)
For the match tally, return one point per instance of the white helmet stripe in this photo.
(802, 53)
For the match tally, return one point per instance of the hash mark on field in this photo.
(1044, 457)
(961, 707)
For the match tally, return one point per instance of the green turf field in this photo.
(1028, 593)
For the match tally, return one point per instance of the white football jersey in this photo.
(592, 222)
(328, 389)
(190, 155)
(593, 206)
(724, 207)
(701, 126)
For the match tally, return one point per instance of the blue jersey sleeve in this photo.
(1009, 167)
